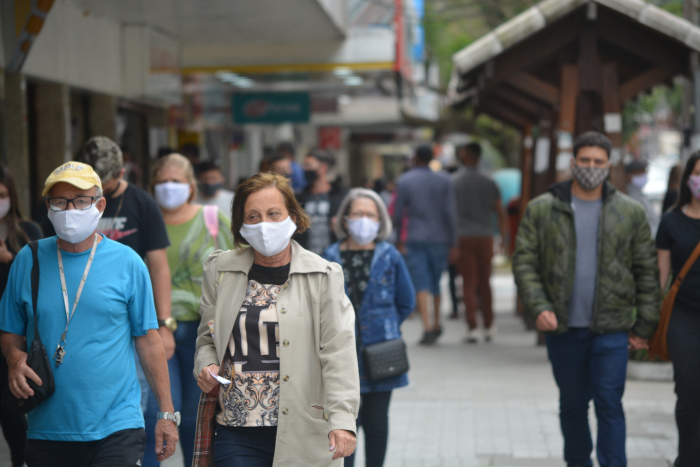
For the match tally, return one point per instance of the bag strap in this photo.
(211, 220)
(688, 264)
(355, 293)
(34, 245)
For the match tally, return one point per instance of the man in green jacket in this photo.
(586, 270)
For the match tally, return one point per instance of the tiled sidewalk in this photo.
(496, 404)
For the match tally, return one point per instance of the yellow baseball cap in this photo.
(76, 173)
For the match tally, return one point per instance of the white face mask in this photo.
(4, 207)
(639, 180)
(172, 195)
(75, 225)
(269, 238)
(363, 230)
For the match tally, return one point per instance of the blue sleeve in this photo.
(13, 316)
(142, 309)
(405, 298)
(399, 205)
(450, 214)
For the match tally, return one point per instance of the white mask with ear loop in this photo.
(75, 225)
(269, 238)
(171, 195)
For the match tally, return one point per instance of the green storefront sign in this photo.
(271, 108)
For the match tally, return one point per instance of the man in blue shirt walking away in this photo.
(427, 199)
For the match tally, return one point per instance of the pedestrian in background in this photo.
(679, 234)
(427, 198)
(320, 200)
(637, 178)
(287, 150)
(132, 218)
(15, 232)
(210, 187)
(378, 284)
(194, 231)
(477, 199)
(587, 272)
(277, 325)
(673, 189)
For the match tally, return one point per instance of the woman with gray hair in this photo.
(380, 288)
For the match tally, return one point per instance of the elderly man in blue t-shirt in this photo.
(95, 304)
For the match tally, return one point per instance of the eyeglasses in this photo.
(79, 202)
(359, 214)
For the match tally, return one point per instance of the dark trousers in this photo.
(475, 255)
(14, 425)
(244, 446)
(374, 420)
(591, 366)
(452, 269)
(119, 449)
(684, 348)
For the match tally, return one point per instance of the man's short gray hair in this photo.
(341, 230)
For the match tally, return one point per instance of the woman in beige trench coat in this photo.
(277, 324)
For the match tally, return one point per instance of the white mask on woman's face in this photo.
(363, 230)
(5, 206)
(172, 195)
(269, 238)
(75, 225)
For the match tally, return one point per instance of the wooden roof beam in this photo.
(522, 102)
(639, 42)
(645, 81)
(504, 114)
(535, 87)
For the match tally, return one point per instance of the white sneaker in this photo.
(472, 336)
(488, 334)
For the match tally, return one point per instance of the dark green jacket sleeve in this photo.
(527, 265)
(646, 276)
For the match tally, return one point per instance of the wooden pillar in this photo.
(612, 121)
(568, 97)
(526, 167)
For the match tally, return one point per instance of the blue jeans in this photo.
(184, 391)
(426, 262)
(244, 446)
(591, 366)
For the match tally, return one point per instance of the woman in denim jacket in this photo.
(380, 289)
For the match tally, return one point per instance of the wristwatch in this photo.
(173, 417)
(170, 323)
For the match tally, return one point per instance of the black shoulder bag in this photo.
(37, 359)
(383, 359)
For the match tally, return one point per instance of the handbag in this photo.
(658, 344)
(383, 359)
(37, 358)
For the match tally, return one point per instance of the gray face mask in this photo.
(590, 178)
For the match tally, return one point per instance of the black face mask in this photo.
(209, 189)
(311, 176)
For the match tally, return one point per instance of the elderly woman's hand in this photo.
(205, 380)
(342, 442)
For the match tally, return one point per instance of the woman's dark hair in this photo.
(685, 194)
(15, 214)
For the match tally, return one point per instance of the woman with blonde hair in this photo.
(195, 231)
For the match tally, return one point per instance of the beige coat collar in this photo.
(241, 260)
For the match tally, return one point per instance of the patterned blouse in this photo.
(356, 268)
(252, 399)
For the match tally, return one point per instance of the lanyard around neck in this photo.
(69, 316)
